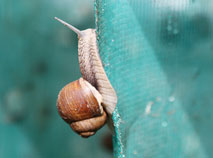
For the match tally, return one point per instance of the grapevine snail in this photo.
(86, 104)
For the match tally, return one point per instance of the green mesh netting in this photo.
(158, 56)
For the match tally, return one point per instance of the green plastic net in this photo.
(158, 56)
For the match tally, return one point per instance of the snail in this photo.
(86, 104)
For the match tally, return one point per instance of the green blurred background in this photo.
(38, 56)
(158, 54)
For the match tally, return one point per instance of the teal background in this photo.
(159, 57)
(38, 56)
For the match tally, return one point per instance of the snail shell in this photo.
(79, 104)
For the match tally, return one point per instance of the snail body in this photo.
(83, 103)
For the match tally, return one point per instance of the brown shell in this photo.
(88, 127)
(79, 104)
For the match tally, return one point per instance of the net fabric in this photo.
(157, 55)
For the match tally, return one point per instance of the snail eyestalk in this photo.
(70, 27)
